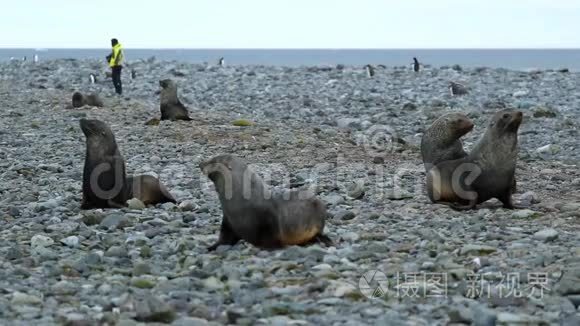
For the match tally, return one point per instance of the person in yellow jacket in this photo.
(115, 60)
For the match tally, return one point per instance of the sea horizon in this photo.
(516, 58)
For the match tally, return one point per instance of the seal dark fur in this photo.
(79, 100)
(487, 172)
(171, 107)
(255, 214)
(105, 183)
(441, 141)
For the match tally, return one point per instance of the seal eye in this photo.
(505, 116)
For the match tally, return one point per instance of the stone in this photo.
(546, 235)
(40, 240)
(525, 213)
(345, 215)
(72, 241)
(135, 204)
(471, 249)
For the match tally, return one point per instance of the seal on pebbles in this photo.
(171, 107)
(487, 172)
(441, 141)
(255, 214)
(80, 100)
(105, 183)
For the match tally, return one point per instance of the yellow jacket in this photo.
(116, 56)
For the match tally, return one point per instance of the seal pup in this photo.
(370, 70)
(171, 107)
(487, 172)
(416, 64)
(79, 100)
(253, 213)
(105, 183)
(92, 78)
(221, 62)
(457, 89)
(441, 141)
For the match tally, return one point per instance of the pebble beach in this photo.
(353, 138)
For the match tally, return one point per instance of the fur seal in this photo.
(253, 213)
(441, 141)
(171, 107)
(370, 70)
(457, 89)
(105, 183)
(487, 172)
(79, 100)
(416, 64)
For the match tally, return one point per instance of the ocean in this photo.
(517, 59)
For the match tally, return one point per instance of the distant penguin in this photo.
(35, 58)
(457, 89)
(416, 64)
(133, 74)
(370, 70)
(222, 62)
(24, 58)
(92, 78)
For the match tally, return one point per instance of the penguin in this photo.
(370, 70)
(457, 89)
(92, 78)
(133, 74)
(35, 58)
(222, 62)
(24, 58)
(416, 64)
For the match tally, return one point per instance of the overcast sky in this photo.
(291, 23)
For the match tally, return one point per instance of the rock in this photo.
(356, 189)
(528, 198)
(242, 123)
(483, 316)
(115, 221)
(344, 290)
(378, 160)
(20, 299)
(398, 194)
(212, 283)
(153, 122)
(72, 241)
(520, 93)
(187, 205)
(544, 113)
(334, 200)
(141, 268)
(548, 149)
(477, 250)
(546, 235)
(116, 251)
(152, 309)
(516, 319)
(345, 215)
(135, 204)
(14, 253)
(40, 240)
(525, 213)
(190, 321)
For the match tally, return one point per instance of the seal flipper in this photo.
(226, 237)
(324, 239)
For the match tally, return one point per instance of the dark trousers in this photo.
(117, 79)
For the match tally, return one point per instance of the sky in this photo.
(317, 24)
